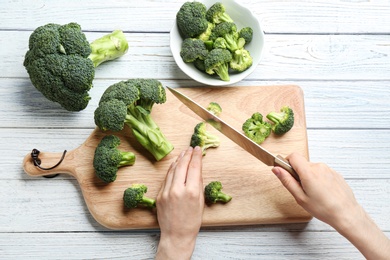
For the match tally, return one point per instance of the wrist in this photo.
(175, 247)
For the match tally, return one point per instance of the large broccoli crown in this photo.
(191, 19)
(108, 158)
(151, 92)
(203, 138)
(192, 49)
(213, 193)
(283, 120)
(217, 14)
(256, 128)
(217, 61)
(134, 197)
(241, 60)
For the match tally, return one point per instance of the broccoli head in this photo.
(228, 31)
(217, 14)
(247, 34)
(283, 121)
(213, 193)
(241, 60)
(60, 62)
(130, 103)
(203, 138)
(256, 129)
(214, 108)
(108, 158)
(134, 197)
(217, 61)
(191, 19)
(192, 49)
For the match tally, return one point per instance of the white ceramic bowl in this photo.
(242, 17)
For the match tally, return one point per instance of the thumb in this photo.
(289, 183)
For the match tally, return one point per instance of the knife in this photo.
(243, 141)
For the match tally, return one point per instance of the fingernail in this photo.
(190, 149)
(197, 148)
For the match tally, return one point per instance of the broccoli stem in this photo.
(223, 197)
(128, 158)
(223, 71)
(147, 202)
(275, 117)
(108, 47)
(149, 135)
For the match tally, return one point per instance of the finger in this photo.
(290, 183)
(194, 174)
(180, 174)
(300, 164)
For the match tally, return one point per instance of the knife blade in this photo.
(240, 139)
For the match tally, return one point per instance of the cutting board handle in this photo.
(49, 163)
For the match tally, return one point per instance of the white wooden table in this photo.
(337, 51)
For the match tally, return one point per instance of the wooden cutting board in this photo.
(258, 196)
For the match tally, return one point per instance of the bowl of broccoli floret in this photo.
(216, 42)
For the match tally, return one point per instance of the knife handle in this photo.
(282, 162)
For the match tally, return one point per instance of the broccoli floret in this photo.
(220, 43)
(241, 61)
(217, 14)
(192, 49)
(191, 19)
(134, 197)
(204, 36)
(214, 108)
(283, 121)
(247, 34)
(108, 158)
(203, 138)
(256, 128)
(217, 61)
(228, 31)
(130, 102)
(61, 62)
(213, 193)
(199, 64)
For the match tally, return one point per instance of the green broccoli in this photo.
(134, 197)
(191, 19)
(214, 108)
(192, 49)
(247, 34)
(61, 62)
(204, 36)
(108, 158)
(241, 60)
(256, 129)
(217, 61)
(217, 14)
(130, 103)
(283, 121)
(213, 193)
(203, 138)
(228, 31)
(220, 43)
(199, 64)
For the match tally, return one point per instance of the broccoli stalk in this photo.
(256, 129)
(108, 158)
(213, 193)
(217, 61)
(203, 138)
(134, 197)
(283, 120)
(130, 102)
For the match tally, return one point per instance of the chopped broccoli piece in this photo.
(214, 108)
(217, 14)
(192, 49)
(217, 61)
(199, 64)
(61, 63)
(204, 36)
(213, 193)
(228, 31)
(256, 129)
(241, 61)
(203, 138)
(283, 121)
(191, 19)
(130, 102)
(220, 43)
(108, 158)
(134, 197)
(247, 34)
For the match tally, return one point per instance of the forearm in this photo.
(168, 249)
(366, 236)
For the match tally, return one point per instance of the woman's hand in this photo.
(180, 205)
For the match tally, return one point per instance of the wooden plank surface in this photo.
(259, 198)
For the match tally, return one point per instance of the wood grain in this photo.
(258, 197)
